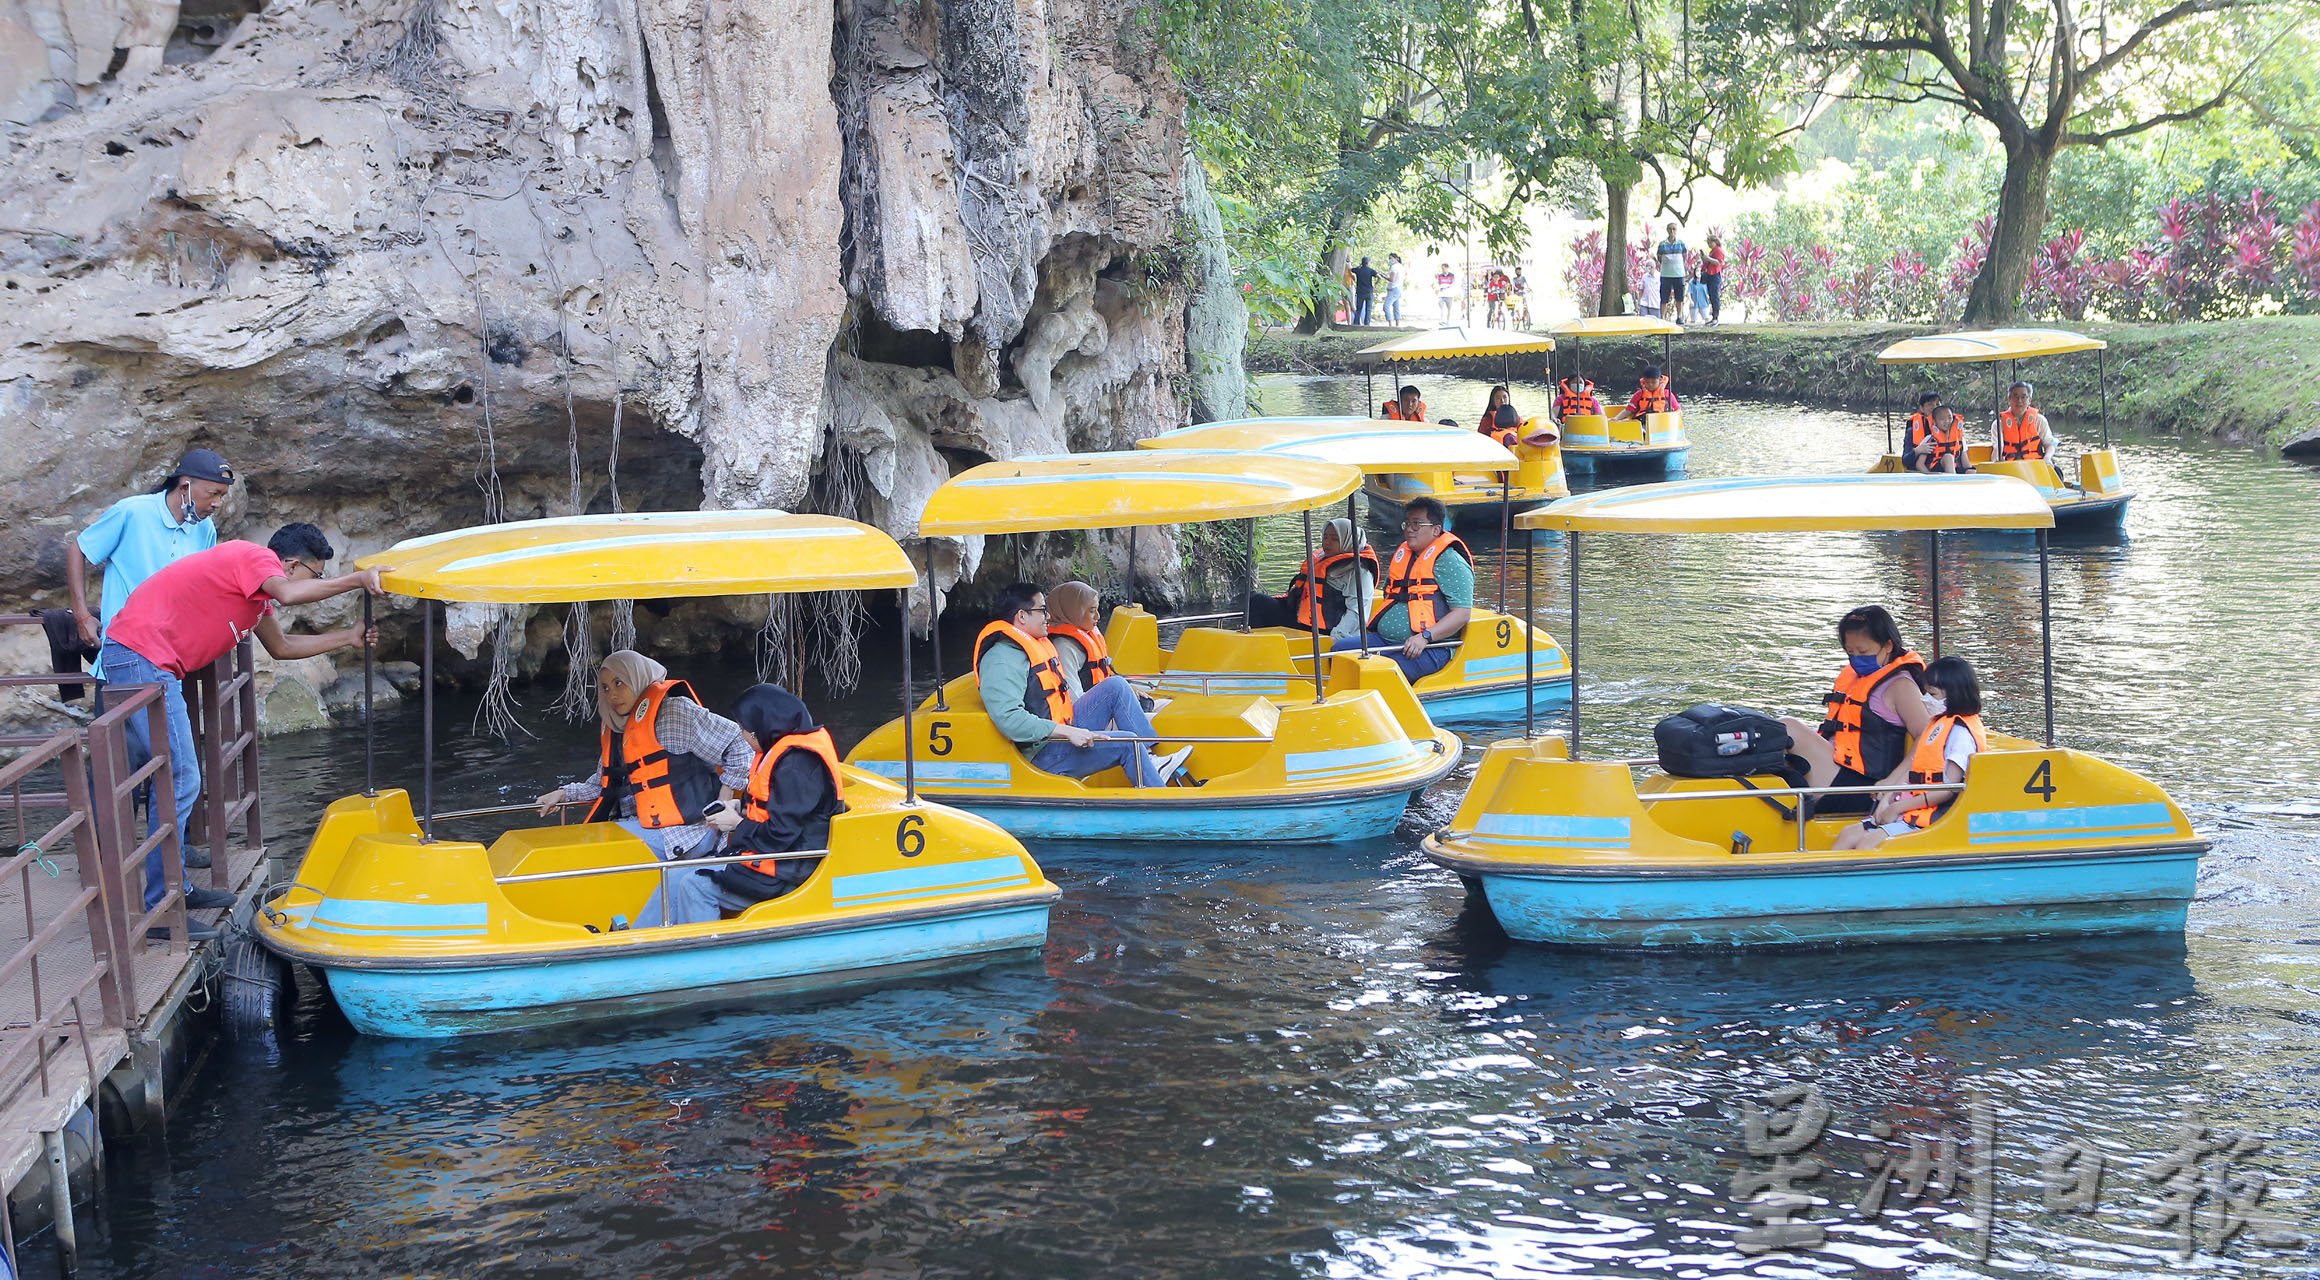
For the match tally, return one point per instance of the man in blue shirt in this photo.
(137, 536)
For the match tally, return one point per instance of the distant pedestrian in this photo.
(1364, 290)
(1397, 282)
(1712, 275)
(137, 536)
(1521, 301)
(1495, 288)
(1446, 291)
(193, 612)
(1672, 257)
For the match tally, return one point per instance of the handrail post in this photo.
(246, 732)
(209, 748)
(164, 806)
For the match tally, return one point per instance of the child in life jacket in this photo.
(1652, 395)
(1953, 734)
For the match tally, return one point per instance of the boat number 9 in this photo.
(938, 737)
(2041, 783)
(910, 835)
(1505, 632)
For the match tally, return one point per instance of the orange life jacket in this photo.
(1331, 601)
(1866, 744)
(1949, 443)
(1394, 412)
(755, 805)
(1047, 694)
(1507, 436)
(2018, 435)
(1925, 767)
(1099, 654)
(1651, 400)
(1569, 402)
(670, 790)
(1410, 580)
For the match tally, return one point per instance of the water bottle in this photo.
(1731, 744)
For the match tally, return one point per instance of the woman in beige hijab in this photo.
(643, 713)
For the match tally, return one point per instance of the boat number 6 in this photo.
(938, 737)
(910, 835)
(2041, 783)
(1505, 632)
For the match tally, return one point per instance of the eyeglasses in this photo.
(1417, 524)
(301, 564)
(1041, 610)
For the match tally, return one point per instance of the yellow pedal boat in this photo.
(1593, 441)
(2099, 496)
(2042, 840)
(1479, 498)
(1497, 652)
(419, 935)
(1340, 766)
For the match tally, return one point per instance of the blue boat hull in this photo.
(444, 1001)
(1323, 821)
(1588, 464)
(1497, 703)
(2116, 893)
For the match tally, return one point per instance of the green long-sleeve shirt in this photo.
(1004, 674)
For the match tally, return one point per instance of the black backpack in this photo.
(1712, 741)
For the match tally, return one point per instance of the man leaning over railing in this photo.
(193, 612)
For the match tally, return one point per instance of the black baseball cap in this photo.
(201, 464)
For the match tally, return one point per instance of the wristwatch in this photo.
(1427, 632)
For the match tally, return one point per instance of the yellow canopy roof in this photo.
(1119, 490)
(1785, 504)
(1615, 327)
(1373, 446)
(644, 554)
(1990, 344)
(1458, 340)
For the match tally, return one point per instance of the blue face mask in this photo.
(1866, 665)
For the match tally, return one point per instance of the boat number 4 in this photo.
(2041, 783)
(910, 835)
(938, 737)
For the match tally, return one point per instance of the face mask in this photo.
(1866, 665)
(1934, 706)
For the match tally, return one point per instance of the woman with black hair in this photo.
(1875, 717)
(1953, 699)
(795, 786)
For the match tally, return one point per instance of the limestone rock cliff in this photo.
(413, 264)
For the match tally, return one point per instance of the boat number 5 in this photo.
(938, 737)
(910, 835)
(1505, 633)
(2041, 783)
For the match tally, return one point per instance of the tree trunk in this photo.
(1996, 297)
(1333, 262)
(1612, 300)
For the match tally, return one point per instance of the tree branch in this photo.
(2142, 126)
(2186, 9)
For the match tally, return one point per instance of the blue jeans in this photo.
(1111, 704)
(1361, 306)
(124, 665)
(1393, 306)
(1428, 661)
(667, 843)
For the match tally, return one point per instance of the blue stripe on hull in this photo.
(1499, 703)
(1588, 464)
(2127, 893)
(1320, 822)
(437, 1002)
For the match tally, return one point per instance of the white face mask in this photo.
(1934, 706)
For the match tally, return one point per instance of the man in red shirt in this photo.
(194, 611)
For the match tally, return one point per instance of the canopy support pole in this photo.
(2046, 632)
(1505, 530)
(1885, 404)
(1369, 391)
(1128, 575)
(1933, 558)
(426, 721)
(1571, 645)
(1315, 629)
(1360, 592)
(370, 721)
(2102, 387)
(1667, 355)
(1248, 602)
(933, 626)
(1530, 617)
(909, 731)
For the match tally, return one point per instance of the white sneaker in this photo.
(1171, 764)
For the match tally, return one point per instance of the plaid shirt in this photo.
(685, 727)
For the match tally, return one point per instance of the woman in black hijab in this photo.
(794, 787)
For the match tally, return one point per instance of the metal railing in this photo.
(61, 969)
(122, 845)
(222, 701)
(1800, 793)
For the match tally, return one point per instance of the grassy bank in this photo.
(2251, 380)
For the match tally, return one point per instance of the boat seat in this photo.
(580, 899)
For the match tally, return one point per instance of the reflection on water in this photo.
(1324, 1062)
